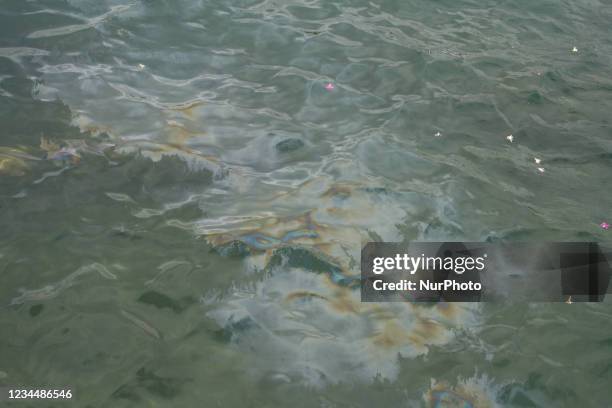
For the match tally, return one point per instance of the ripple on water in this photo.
(227, 106)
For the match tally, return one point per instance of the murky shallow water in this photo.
(184, 198)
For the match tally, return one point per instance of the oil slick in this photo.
(333, 220)
(12, 166)
(62, 154)
(302, 325)
(70, 151)
(173, 140)
(299, 240)
(17, 161)
(304, 319)
(474, 392)
(14, 161)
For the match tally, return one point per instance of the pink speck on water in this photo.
(604, 225)
(329, 86)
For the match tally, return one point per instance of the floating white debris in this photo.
(141, 66)
(510, 138)
(536, 160)
(574, 49)
(541, 169)
(438, 134)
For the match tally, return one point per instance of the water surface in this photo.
(184, 198)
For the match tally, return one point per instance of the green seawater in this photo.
(183, 198)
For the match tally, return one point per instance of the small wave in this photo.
(74, 28)
(53, 290)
